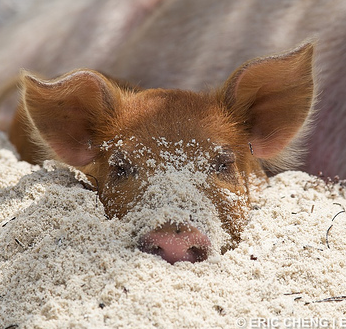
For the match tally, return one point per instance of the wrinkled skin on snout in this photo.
(176, 164)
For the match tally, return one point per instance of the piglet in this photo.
(178, 165)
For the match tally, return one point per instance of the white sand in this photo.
(72, 268)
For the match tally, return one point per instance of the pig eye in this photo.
(122, 170)
(121, 167)
(224, 162)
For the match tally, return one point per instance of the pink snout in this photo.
(176, 243)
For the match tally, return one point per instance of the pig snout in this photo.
(175, 243)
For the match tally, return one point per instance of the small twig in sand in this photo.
(251, 149)
(329, 228)
(220, 310)
(6, 222)
(20, 243)
(292, 293)
(12, 326)
(328, 300)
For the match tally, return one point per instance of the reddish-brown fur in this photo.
(96, 124)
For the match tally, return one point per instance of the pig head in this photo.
(177, 164)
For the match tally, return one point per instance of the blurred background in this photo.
(188, 44)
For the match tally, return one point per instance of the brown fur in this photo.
(89, 121)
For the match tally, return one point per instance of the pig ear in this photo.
(272, 97)
(70, 113)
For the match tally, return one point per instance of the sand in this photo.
(64, 265)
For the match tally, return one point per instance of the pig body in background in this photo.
(187, 44)
(53, 37)
(176, 164)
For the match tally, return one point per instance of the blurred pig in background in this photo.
(186, 44)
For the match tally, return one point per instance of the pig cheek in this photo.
(234, 217)
(118, 198)
(232, 204)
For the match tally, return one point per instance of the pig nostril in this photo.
(154, 250)
(148, 246)
(200, 254)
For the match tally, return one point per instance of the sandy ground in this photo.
(64, 265)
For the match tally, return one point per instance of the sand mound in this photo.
(64, 265)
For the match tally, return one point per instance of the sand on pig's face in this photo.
(182, 183)
(73, 267)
